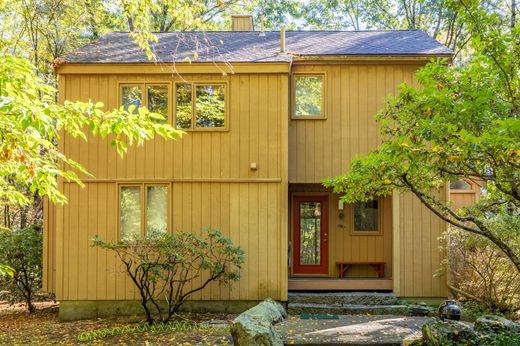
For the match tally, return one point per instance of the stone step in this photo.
(334, 298)
(346, 309)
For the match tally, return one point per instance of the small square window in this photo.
(366, 216)
(308, 96)
(200, 106)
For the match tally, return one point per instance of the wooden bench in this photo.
(378, 266)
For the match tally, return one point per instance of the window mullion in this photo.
(193, 115)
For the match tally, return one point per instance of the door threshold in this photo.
(334, 284)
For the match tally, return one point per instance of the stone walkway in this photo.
(351, 330)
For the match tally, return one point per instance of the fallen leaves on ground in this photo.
(18, 327)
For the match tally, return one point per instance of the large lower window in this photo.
(200, 106)
(154, 96)
(143, 209)
(366, 217)
(308, 97)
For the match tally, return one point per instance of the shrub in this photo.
(22, 251)
(481, 272)
(164, 266)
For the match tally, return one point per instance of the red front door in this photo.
(310, 234)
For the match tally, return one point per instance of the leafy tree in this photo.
(30, 125)
(462, 123)
(440, 20)
(22, 251)
(163, 267)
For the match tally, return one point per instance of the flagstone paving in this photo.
(351, 330)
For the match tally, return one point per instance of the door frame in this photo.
(310, 270)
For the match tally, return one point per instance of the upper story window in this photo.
(200, 106)
(154, 95)
(143, 209)
(366, 217)
(460, 184)
(308, 96)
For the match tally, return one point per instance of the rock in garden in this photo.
(254, 331)
(420, 310)
(491, 324)
(439, 333)
(254, 327)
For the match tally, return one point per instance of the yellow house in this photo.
(288, 109)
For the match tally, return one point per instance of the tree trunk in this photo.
(513, 14)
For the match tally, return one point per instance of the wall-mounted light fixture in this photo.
(340, 205)
(253, 166)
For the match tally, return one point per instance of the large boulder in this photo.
(271, 310)
(491, 324)
(439, 333)
(254, 327)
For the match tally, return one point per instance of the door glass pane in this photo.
(365, 216)
(130, 212)
(158, 100)
(156, 209)
(209, 105)
(183, 109)
(310, 221)
(131, 95)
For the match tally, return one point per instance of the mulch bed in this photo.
(18, 327)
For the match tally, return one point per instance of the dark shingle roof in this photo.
(254, 46)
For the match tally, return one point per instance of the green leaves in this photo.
(462, 123)
(31, 123)
(6, 270)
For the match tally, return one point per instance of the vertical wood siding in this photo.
(354, 93)
(324, 148)
(212, 186)
(464, 198)
(357, 247)
(49, 247)
(256, 103)
(246, 212)
(417, 248)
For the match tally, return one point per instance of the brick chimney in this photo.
(242, 22)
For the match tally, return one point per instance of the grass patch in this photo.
(171, 326)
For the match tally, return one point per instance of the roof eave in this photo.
(372, 57)
(174, 68)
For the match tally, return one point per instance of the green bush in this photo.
(164, 267)
(22, 251)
